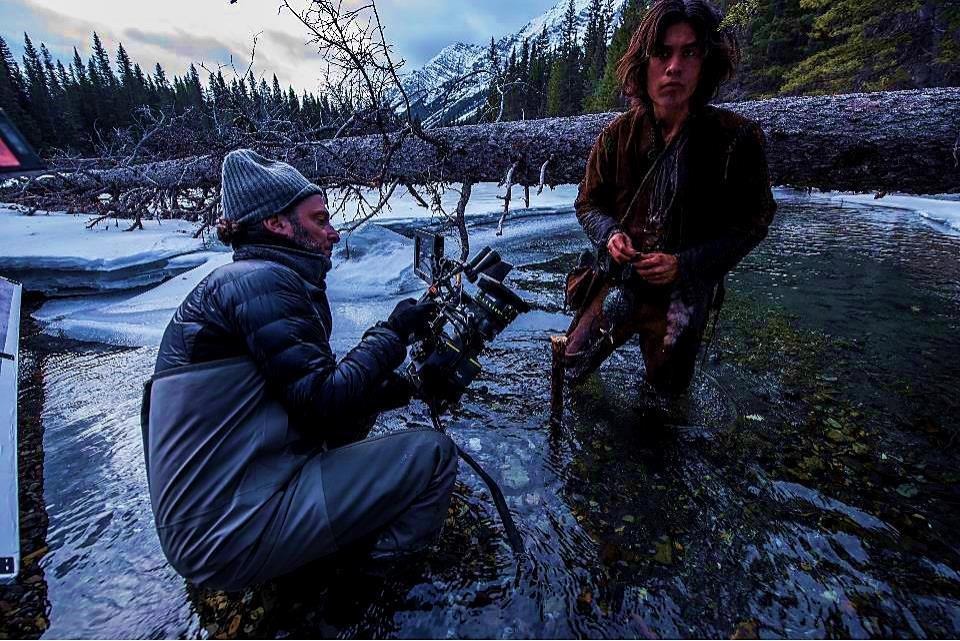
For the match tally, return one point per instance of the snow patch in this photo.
(484, 199)
(118, 318)
(380, 264)
(941, 213)
(54, 253)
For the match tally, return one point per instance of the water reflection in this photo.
(107, 576)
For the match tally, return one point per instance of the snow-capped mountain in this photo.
(453, 84)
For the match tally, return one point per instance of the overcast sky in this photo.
(178, 32)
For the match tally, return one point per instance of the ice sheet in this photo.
(940, 212)
(119, 319)
(57, 255)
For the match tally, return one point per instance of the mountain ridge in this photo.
(453, 84)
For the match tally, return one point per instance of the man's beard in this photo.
(301, 238)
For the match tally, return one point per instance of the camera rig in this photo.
(445, 362)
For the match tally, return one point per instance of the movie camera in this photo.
(445, 362)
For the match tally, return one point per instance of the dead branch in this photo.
(460, 220)
(543, 174)
(416, 196)
(508, 181)
(373, 211)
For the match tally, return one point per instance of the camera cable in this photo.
(513, 535)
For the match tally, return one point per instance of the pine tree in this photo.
(555, 87)
(538, 77)
(867, 46)
(39, 95)
(103, 85)
(140, 86)
(13, 95)
(81, 99)
(293, 104)
(126, 100)
(594, 47)
(607, 94)
(565, 93)
(193, 90)
(163, 98)
(256, 100)
(62, 119)
(101, 63)
(263, 90)
(277, 95)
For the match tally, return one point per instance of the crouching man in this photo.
(253, 433)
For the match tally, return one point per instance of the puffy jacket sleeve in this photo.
(595, 200)
(290, 343)
(749, 211)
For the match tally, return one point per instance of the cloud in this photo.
(60, 32)
(295, 47)
(186, 45)
(176, 33)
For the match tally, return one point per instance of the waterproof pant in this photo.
(593, 337)
(393, 488)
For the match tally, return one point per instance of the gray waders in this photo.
(240, 496)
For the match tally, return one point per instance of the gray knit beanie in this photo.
(255, 188)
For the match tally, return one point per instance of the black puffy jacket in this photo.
(270, 304)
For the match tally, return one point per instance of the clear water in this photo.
(760, 518)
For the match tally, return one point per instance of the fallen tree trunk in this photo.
(893, 141)
(906, 141)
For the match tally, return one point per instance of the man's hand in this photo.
(620, 248)
(657, 268)
(395, 391)
(411, 319)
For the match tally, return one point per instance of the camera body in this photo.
(444, 364)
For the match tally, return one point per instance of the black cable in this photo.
(513, 535)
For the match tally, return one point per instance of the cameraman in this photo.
(253, 432)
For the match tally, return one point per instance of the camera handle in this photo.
(513, 536)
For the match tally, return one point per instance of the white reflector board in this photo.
(9, 359)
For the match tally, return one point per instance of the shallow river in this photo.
(813, 494)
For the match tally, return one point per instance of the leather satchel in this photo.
(583, 281)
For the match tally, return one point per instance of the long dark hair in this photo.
(720, 48)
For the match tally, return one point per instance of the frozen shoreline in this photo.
(55, 254)
(939, 211)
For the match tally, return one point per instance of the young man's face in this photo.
(309, 226)
(673, 71)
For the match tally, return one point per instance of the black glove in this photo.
(395, 391)
(411, 319)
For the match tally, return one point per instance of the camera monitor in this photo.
(427, 252)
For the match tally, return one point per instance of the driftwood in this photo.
(906, 141)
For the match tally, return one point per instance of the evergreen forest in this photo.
(788, 47)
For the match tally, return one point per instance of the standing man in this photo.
(675, 194)
(253, 432)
